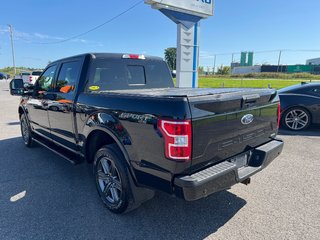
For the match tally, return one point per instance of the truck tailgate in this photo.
(230, 123)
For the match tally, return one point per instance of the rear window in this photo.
(136, 75)
(122, 74)
(37, 73)
(25, 74)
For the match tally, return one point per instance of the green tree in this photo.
(170, 55)
(201, 70)
(223, 70)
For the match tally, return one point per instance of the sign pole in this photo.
(187, 15)
(188, 55)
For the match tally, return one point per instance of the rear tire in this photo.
(296, 119)
(26, 131)
(112, 178)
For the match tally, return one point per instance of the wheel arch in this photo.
(99, 136)
(20, 111)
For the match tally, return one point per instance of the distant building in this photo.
(246, 59)
(235, 64)
(314, 61)
(245, 70)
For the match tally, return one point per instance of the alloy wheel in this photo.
(109, 181)
(24, 130)
(296, 119)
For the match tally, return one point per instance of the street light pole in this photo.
(214, 64)
(12, 46)
(231, 65)
(279, 60)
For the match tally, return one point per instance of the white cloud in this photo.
(37, 37)
(79, 40)
(205, 54)
(3, 29)
(46, 37)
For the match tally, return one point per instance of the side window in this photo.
(68, 77)
(45, 81)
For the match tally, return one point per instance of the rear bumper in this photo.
(227, 173)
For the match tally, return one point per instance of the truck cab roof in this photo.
(107, 55)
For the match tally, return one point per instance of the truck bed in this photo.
(217, 119)
(189, 92)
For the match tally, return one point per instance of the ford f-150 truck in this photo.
(122, 113)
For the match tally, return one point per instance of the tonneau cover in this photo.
(188, 92)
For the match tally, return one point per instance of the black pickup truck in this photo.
(122, 113)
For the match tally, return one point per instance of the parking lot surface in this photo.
(42, 196)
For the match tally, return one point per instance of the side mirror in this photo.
(16, 87)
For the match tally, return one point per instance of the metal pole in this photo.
(279, 60)
(214, 64)
(12, 46)
(232, 60)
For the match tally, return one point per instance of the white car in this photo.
(34, 76)
(25, 76)
(30, 78)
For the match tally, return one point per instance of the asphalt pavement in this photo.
(42, 196)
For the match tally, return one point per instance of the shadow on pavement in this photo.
(61, 202)
(311, 131)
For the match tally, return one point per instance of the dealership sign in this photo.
(187, 14)
(201, 8)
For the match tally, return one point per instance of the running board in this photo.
(70, 157)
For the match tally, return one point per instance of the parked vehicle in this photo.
(3, 76)
(300, 106)
(34, 76)
(25, 76)
(122, 113)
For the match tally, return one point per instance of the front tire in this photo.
(112, 178)
(296, 119)
(26, 131)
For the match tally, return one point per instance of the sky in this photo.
(246, 25)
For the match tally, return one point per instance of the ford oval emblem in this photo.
(247, 119)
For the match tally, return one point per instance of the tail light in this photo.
(177, 139)
(279, 115)
(30, 78)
